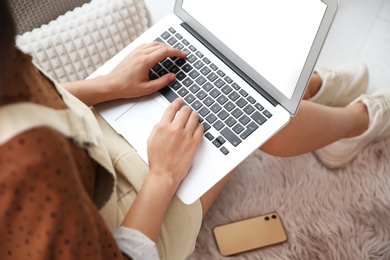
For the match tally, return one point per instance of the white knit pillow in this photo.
(80, 41)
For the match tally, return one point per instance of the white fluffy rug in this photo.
(341, 214)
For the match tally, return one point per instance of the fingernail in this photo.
(172, 77)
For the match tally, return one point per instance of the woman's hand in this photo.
(130, 79)
(173, 142)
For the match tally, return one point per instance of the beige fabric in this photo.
(182, 222)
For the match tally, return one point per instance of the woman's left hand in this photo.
(129, 79)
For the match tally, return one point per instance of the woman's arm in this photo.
(129, 79)
(171, 149)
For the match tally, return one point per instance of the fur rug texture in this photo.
(328, 214)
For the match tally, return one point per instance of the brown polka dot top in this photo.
(47, 184)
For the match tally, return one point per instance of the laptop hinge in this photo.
(230, 64)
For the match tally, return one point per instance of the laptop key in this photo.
(172, 41)
(244, 119)
(238, 128)
(180, 62)
(218, 125)
(209, 136)
(267, 113)
(205, 71)
(206, 60)
(221, 73)
(212, 77)
(158, 39)
(178, 35)
(221, 140)
(251, 99)
(189, 98)
(222, 99)
(216, 108)
(199, 54)
(223, 114)
(249, 130)
(191, 58)
(211, 118)
(208, 101)
(203, 111)
(165, 35)
(162, 72)
(236, 86)
(194, 88)
(194, 74)
(198, 64)
(259, 118)
(181, 75)
(206, 127)
(174, 69)
(217, 143)
(201, 95)
(196, 105)
(178, 46)
(157, 67)
(169, 94)
(192, 48)
(187, 82)
(182, 92)
(224, 150)
(234, 96)
(201, 80)
(249, 109)
(259, 107)
(175, 85)
(230, 136)
(213, 66)
(186, 67)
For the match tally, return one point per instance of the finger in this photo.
(183, 116)
(171, 111)
(162, 52)
(192, 122)
(198, 134)
(159, 83)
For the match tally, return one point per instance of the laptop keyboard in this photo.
(220, 102)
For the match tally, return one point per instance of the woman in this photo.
(52, 181)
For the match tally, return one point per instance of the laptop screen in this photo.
(272, 38)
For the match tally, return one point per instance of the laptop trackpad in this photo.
(138, 122)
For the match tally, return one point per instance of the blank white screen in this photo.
(272, 36)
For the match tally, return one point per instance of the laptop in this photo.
(247, 67)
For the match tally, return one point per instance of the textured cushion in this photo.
(80, 41)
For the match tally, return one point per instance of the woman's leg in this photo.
(209, 197)
(316, 126)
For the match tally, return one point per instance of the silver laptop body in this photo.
(261, 54)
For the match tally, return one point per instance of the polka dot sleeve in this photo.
(46, 211)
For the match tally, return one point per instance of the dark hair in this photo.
(7, 40)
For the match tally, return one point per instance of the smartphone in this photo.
(249, 234)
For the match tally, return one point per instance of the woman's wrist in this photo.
(167, 181)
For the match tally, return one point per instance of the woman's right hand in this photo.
(174, 141)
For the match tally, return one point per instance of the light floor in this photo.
(361, 31)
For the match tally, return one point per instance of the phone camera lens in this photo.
(274, 216)
(266, 218)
